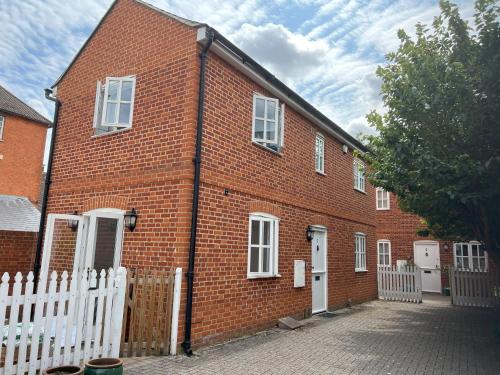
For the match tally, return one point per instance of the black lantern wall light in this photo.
(130, 219)
(309, 233)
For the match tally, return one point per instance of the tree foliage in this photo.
(438, 144)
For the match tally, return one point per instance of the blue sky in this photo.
(326, 50)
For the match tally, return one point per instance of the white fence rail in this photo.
(475, 288)
(59, 325)
(399, 283)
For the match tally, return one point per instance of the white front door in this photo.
(426, 255)
(319, 272)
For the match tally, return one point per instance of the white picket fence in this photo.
(58, 325)
(475, 288)
(399, 283)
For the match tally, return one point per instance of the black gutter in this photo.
(186, 345)
(43, 210)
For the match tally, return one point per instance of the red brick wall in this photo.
(22, 148)
(149, 167)
(17, 252)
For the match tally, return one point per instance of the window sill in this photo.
(383, 209)
(267, 148)
(110, 133)
(251, 277)
(360, 191)
(321, 173)
(360, 271)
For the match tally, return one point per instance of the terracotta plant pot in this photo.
(64, 370)
(104, 366)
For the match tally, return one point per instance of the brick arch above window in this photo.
(107, 201)
(267, 207)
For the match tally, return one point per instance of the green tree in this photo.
(438, 144)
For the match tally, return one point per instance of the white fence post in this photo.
(175, 311)
(117, 312)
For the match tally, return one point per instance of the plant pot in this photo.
(104, 366)
(64, 370)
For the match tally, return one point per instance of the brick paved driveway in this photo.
(373, 338)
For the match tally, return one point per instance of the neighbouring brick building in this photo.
(22, 141)
(399, 242)
(274, 171)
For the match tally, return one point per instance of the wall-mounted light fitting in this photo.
(309, 233)
(73, 223)
(345, 149)
(130, 219)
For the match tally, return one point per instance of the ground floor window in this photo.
(384, 252)
(470, 256)
(360, 251)
(263, 246)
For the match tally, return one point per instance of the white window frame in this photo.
(381, 207)
(2, 123)
(101, 104)
(360, 252)
(273, 248)
(279, 121)
(470, 257)
(359, 178)
(388, 243)
(319, 153)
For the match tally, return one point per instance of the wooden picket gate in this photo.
(475, 288)
(58, 325)
(399, 283)
(147, 317)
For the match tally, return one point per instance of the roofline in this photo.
(39, 122)
(228, 51)
(185, 21)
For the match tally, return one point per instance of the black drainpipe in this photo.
(45, 197)
(186, 345)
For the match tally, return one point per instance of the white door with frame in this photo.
(319, 268)
(426, 255)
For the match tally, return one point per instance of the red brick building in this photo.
(22, 141)
(398, 242)
(273, 171)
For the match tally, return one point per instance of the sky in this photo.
(326, 50)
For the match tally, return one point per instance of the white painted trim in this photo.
(118, 101)
(2, 124)
(470, 256)
(230, 58)
(276, 120)
(175, 311)
(274, 249)
(378, 252)
(360, 235)
(321, 138)
(388, 200)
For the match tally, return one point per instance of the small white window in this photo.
(320, 153)
(470, 256)
(114, 104)
(384, 252)
(268, 122)
(263, 246)
(360, 252)
(359, 175)
(382, 199)
(2, 120)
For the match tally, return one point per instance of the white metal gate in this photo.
(399, 283)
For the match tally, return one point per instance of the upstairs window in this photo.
(360, 252)
(320, 154)
(114, 105)
(382, 199)
(470, 256)
(359, 175)
(268, 122)
(263, 246)
(2, 120)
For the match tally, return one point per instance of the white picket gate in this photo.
(475, 288)
(399, 283)
(60, 325)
